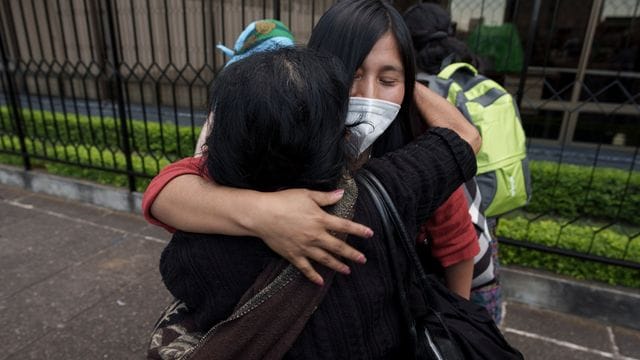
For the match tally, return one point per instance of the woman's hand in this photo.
(293, 224)
(436, 111)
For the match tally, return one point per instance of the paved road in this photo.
(81, 282)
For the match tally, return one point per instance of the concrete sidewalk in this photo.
(81, 282)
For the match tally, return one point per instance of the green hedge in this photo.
(573, 267)
(87, 155)
(583, 237)
(572, 190)
(610, 242)
(166, 140)
(563, 190)
(95, 141)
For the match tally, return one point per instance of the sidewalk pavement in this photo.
(82, 282)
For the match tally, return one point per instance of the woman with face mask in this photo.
(372, 41)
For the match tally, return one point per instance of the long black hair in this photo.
(432, 33)
(349, 30)
(279, 121)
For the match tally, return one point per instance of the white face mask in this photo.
(372, 117)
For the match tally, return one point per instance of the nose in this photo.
(364, 87)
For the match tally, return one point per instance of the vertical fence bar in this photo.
(68, 77)
(531, 37)
(15, 105)
(51, 75)
(30, 60)
(43, 93)
(570, 119)
(174, 79)
(276, 9)
(120, 96)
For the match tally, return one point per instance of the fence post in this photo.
(531, 37)
(570, 118)
(276, 10)
(14, 104)
(119, 93)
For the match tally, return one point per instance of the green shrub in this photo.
(9, 159)
(82, 156)
(161, 140)
(558, 189)
(581, 237)
(94, 141)
(576, 268)
(572, 190)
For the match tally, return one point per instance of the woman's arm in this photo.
(454, 241)
(421, 176)
(458, 277)
(291, 222)
(438, 112)
(451, 230)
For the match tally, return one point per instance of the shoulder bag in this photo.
(441, 324)
(264, 324)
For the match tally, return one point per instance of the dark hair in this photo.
(349, 30)
(279, 121)
(433, 38)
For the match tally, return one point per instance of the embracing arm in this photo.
(454, 241)
(458, 277)
(291, 222)
(438, 112)
(423, 174)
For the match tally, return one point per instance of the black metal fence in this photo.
(115, 90)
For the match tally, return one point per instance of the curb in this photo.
(614, 305)
(72, 189)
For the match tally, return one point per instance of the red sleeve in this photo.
(453, 237)
(186, 166)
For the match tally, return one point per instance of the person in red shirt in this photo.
(292, 222)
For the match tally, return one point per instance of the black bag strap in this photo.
(395, 225)
(391, 219)
(364, 178)
(437, 342)
(394, 228)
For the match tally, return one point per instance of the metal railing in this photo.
(118, 89)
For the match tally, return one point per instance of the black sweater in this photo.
(360, 316)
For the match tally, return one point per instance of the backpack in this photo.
(503, 172)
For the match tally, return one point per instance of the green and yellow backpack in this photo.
(503, 173)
